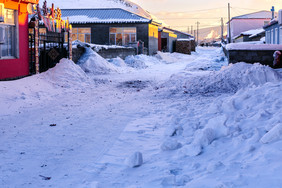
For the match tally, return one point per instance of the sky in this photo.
(182, 14)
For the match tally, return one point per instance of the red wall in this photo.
(160, 41)
(12, 68)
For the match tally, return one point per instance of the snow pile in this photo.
(243, 131)
(95, 47)
(228, 80)
(144, 61)
(136, 62)
(66, 73)
(166, 57)
(207, 61)
(91, 62)
(118, 62)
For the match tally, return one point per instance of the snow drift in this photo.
(228, 80)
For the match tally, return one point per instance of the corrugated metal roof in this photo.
(113, 15)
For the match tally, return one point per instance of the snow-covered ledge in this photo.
(250, 46)
(251, 53)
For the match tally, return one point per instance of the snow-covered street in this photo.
(196, 121)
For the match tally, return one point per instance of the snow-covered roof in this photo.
(251, 33)
(108, 15)
(85, 4)
(256, 15)
(190, 39)
(259, 32)
(271, 23)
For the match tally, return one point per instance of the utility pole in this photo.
(195, 34)
(192, 30)
(222, 27)
(229, 28)
(198, 32)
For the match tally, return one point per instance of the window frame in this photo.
(276, 36)
(272, 36)
(123, 33)
(77, 34)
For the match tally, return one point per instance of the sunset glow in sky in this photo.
(182, 14)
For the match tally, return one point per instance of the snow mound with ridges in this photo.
(67, 73)
(228, 80)
(92, 62)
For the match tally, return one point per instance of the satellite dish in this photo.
(29, 8)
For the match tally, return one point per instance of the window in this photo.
(267, 37)
(272, 36)
(280, 35)
(122, 36)
(276, 36)
(8, 35)
(81, 34)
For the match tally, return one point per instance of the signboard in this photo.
(30, 1)
(1, 12)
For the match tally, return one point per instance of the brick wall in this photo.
(183, 47)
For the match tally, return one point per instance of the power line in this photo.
(191, 18)
(203, 26)
(200, 10)
(246, 8)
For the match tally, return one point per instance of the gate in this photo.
(50, 48)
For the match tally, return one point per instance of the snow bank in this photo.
(66, 73)
(91, 62)
(228, 79)
(232, 134)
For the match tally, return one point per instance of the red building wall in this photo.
(160, 41)
(12, 68)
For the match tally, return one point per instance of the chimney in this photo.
(272, 10)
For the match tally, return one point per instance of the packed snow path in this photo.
(194, 125)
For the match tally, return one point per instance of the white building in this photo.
(247, 22)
